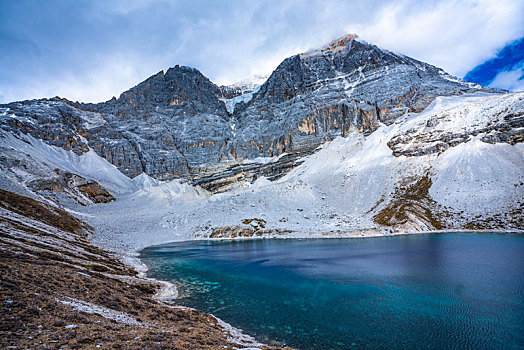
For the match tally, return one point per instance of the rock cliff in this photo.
(347, 85)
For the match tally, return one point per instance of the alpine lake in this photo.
(431, 291)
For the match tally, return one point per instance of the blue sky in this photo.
(505, 70)
(92, 50)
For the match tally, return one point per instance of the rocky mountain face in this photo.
(176, 124)
(313, 97)
(165, 126)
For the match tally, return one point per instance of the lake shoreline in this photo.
(40, 247)
(205, 249)
(170, 292)
(59, 288)
(128, 245)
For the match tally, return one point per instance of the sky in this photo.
(505, 71)
(93, 50)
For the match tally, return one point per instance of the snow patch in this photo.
(172, 190)
(238, 337)
(263, 160)
(145, 181)
(167, 293)
(246, 97)
(89, 165)
(105, 312)
(477, 177)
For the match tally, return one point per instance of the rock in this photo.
(504, 124)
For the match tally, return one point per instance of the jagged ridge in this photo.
(174, 124)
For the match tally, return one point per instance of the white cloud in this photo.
(111, 48)
(511, 80)
(454, 35)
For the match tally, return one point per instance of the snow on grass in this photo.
(105, 312)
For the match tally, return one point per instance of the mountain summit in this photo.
(183, 89)
(175, 123)
(315, 96)
(359, 138)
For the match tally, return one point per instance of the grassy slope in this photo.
(49, 271)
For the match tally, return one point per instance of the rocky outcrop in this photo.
(502, 122)
(410, 204)
(223, 178)
(74, 186)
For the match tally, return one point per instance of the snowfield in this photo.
(339, 189)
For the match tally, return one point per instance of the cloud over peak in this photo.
(93, 50)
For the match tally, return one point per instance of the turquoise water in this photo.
(435, 291)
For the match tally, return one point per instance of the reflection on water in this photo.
(431, 291)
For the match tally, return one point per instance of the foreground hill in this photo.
(58, 290)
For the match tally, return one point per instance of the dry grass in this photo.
(410, 203)
(45, 257)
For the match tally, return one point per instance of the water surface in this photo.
(420, 291)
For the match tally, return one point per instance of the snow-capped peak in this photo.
(249, 84)
(334, 46)
(241, 91)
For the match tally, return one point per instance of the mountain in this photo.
(347, 85)
(154, 128)
(176, 124)
(355, 185)
(349, 140)
(377, 108)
